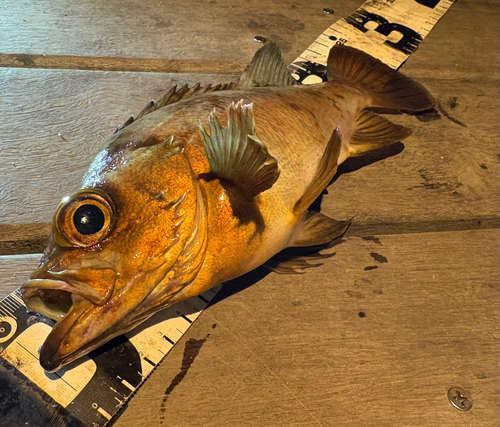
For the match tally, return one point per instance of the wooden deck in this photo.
(408, 306)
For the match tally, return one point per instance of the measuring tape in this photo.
(90, 391)
(389, 30)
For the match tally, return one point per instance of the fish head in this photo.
(112, 244)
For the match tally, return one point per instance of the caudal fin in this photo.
(386, 88)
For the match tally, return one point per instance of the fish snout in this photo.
(68, 297)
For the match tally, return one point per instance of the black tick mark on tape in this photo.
(408, 42)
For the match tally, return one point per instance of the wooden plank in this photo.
(344, 344)
(56, 121)
(295, 351)
(66, 62)
(15, 270)
(220, 30)
(53, 125)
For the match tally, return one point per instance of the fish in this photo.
(205, 185)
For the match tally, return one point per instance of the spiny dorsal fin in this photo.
(372, 131)
(324, 174)
(266, 69)
(235, 153)
(175, 95)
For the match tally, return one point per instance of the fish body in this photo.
(206, 188)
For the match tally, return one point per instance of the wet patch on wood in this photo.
(379, 258)
(191, 351)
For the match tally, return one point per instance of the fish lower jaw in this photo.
(54, 352)
(52, 357)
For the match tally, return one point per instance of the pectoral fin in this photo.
(318, 229)
(236, 154)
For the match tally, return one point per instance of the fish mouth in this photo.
(53, 297)
(52, 354)
(65, 301)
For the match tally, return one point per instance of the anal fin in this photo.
(318, 229)
(372, 131)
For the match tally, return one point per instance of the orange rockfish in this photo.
(204, 186)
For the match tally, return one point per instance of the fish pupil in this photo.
(88, 219)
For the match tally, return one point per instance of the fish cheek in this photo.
(149, 233)
(155, 200)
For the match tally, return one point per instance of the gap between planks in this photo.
(20, 239)
(95, 63)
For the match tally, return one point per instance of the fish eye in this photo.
(89, 219)
(84, 219)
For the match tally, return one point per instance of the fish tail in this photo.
(386, 89)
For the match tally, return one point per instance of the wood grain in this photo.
(56, 121)
(341, 345)
(374, 337)
(220, 30)
(150, 65)
(294, 351)
(15, 270)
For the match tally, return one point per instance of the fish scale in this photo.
(91, 392)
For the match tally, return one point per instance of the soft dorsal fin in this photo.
(235, 153)
(175, 95)
(266, 69)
